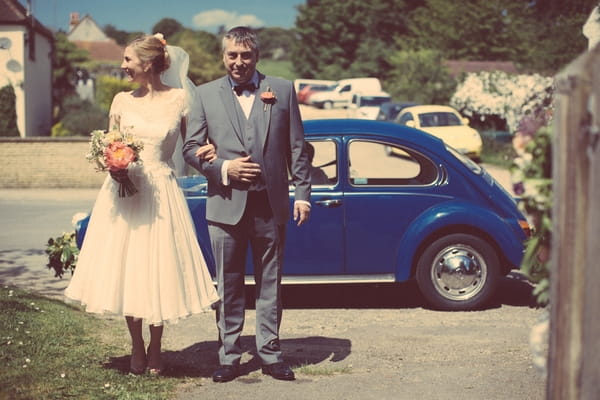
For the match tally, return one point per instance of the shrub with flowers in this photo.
(62, 253)
(487, 94)
(524, 101)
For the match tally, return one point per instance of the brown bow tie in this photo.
(249, 86)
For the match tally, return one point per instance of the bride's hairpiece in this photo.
(161, 38)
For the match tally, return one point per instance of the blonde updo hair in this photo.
(153, 49)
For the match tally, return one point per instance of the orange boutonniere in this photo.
(268, 97)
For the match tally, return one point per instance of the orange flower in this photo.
(268, 97)
(117, 155)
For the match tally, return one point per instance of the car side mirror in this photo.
(465, 121)
(410, 124)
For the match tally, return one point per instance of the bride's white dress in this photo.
(140, 256)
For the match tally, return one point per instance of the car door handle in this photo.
(329, 203)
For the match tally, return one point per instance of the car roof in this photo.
(427, 108)
(340, 127)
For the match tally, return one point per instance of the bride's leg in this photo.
(137, 363)
(154, 360)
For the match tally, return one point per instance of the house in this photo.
(26, 48)
(88, 36)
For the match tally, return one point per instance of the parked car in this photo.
(341, 95)
(299, 84)
(365, 105)
(304, 94)
(447, 124)
(425, 212)
(390, 110)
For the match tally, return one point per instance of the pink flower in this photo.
(117, 155)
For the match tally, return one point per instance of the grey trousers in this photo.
(258, 229)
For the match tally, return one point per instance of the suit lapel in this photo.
(226, 94)
(262, 114)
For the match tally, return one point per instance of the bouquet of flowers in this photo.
(115, 151)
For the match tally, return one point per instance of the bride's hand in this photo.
(207, 152)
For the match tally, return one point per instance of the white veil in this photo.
(177, 76)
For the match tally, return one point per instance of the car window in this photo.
(439, 119)
(323, 157)
(373, 163)
(404, 118)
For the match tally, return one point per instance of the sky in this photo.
(142, 15)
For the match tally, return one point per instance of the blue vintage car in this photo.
(391, 203)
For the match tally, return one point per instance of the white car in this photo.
(445, 123)
(367, 105)
(341, 94)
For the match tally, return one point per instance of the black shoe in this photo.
(279, 371)
(225, 373)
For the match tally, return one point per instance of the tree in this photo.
(8, 110)
(204, 50)
(558, 37)
(168, 27)
(121, 37)
(343, 39)
(420, 76)
(65, 58)
(539, 36)
(275, 43)
(489, 30)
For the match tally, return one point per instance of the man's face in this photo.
(239, 60)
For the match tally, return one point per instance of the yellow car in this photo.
(445, 123)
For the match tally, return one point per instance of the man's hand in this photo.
(301, 212)
(207, 152)
(243, 170)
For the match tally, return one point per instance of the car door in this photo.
(316, 247)
(388, 185)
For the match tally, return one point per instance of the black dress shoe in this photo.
(279, 371)
(225, 373)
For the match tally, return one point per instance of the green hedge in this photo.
(107, 87)
(8, 111)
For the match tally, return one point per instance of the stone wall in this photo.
(43, 162)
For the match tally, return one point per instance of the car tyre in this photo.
(458, 272)
(328, 105)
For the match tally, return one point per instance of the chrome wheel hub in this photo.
(458, 272)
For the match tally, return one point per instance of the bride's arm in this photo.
(206, 152)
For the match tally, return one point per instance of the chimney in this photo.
(73, 20)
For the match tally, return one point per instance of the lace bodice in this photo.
(156, 123)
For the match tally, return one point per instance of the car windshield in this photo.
(372, 101)
(439, 119)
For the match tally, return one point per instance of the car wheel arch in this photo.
(434, 224)
(456, 230)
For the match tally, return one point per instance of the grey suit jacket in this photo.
(278, 127)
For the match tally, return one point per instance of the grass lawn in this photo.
(50, 350)
(281, 69)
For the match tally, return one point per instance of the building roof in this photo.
(14, 13)
(457, 67)
(102, 51)
(87, 35)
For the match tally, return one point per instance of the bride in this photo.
(140, 257)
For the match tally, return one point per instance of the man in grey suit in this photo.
(254, 122)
